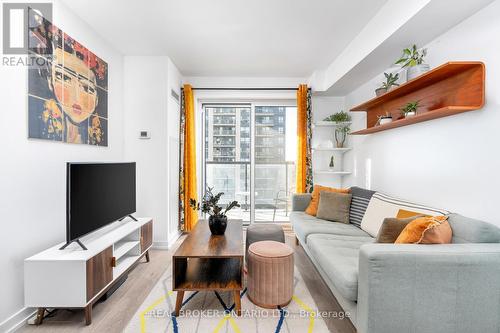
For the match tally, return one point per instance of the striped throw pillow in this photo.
(382, 206)
(359, 202)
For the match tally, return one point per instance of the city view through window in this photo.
(234, 135)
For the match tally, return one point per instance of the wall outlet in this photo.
(144, 135)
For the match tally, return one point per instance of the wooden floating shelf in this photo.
(449, 89)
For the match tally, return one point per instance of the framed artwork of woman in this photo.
(67, 88)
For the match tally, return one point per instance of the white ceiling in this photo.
(269, 38)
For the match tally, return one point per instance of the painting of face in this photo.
(67, 96)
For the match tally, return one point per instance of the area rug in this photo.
(204, 312)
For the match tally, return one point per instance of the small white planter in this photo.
(413, 72)
(384, 121)
(410, 114)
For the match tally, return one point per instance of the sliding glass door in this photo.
(249, 153)
(275, 152)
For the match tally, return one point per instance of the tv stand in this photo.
(133, 218)
(77, 241)
(73, 278)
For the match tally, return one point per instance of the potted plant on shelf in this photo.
(413, 60)
(341, 135)
(339, 117)
(390, 83)
(217, 222)
(384, 119)
(410, 109)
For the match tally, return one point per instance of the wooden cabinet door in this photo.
(99, 272)
(146, 236)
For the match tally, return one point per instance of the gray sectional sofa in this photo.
(400, 288)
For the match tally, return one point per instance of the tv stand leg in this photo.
(147, 256)
(39, 316)
(88, 314)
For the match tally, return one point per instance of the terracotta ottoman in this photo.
(270, 274)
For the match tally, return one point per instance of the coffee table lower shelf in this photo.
(208, 274)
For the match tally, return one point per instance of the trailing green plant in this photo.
(412, 57)
(410, 107)
(339, 117)
(390, 80)
(209, 204)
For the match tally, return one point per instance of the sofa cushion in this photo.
(304, 225)
(338, 257)
(382, 206)
(312, 209)
(467, 230)
(391, 229)
(334, 207)
(359, 202)
(426, 230)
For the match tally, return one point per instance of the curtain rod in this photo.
(276, 89)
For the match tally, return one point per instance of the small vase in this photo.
(217, 224)
(380, 91)
(340, 137)
(385, 120)
(414, 71)
(410, 114)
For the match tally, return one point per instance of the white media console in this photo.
(77, 278)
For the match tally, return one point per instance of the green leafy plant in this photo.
(410, 107)
(339, 117)
(209, 204)
(390, 80)
(412, 57)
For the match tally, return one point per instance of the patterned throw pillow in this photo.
(312, 209)
(360, 199)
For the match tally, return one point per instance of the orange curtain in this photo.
(301, 138)
(304, 135)
(189, 160)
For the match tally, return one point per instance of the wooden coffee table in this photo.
(205, 262)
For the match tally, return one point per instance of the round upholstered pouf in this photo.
(270, 274)
(261, 232)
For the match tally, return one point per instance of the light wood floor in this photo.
(113, 315)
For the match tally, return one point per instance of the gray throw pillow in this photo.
(334, 206)
(392, 227)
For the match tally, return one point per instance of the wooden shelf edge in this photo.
(406, 87)
(429, 115)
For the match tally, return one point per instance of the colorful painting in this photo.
(67, 88)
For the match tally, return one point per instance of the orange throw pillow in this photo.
(426, 230)
(312, 209)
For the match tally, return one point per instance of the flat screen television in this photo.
(97, 194)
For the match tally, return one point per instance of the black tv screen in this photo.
(96, 195)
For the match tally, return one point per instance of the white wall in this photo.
(450, 162)
(33, 174)
(148, 106)
(173, 118)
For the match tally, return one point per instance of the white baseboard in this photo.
(17, 320)
(174, 237)
(161, 245)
